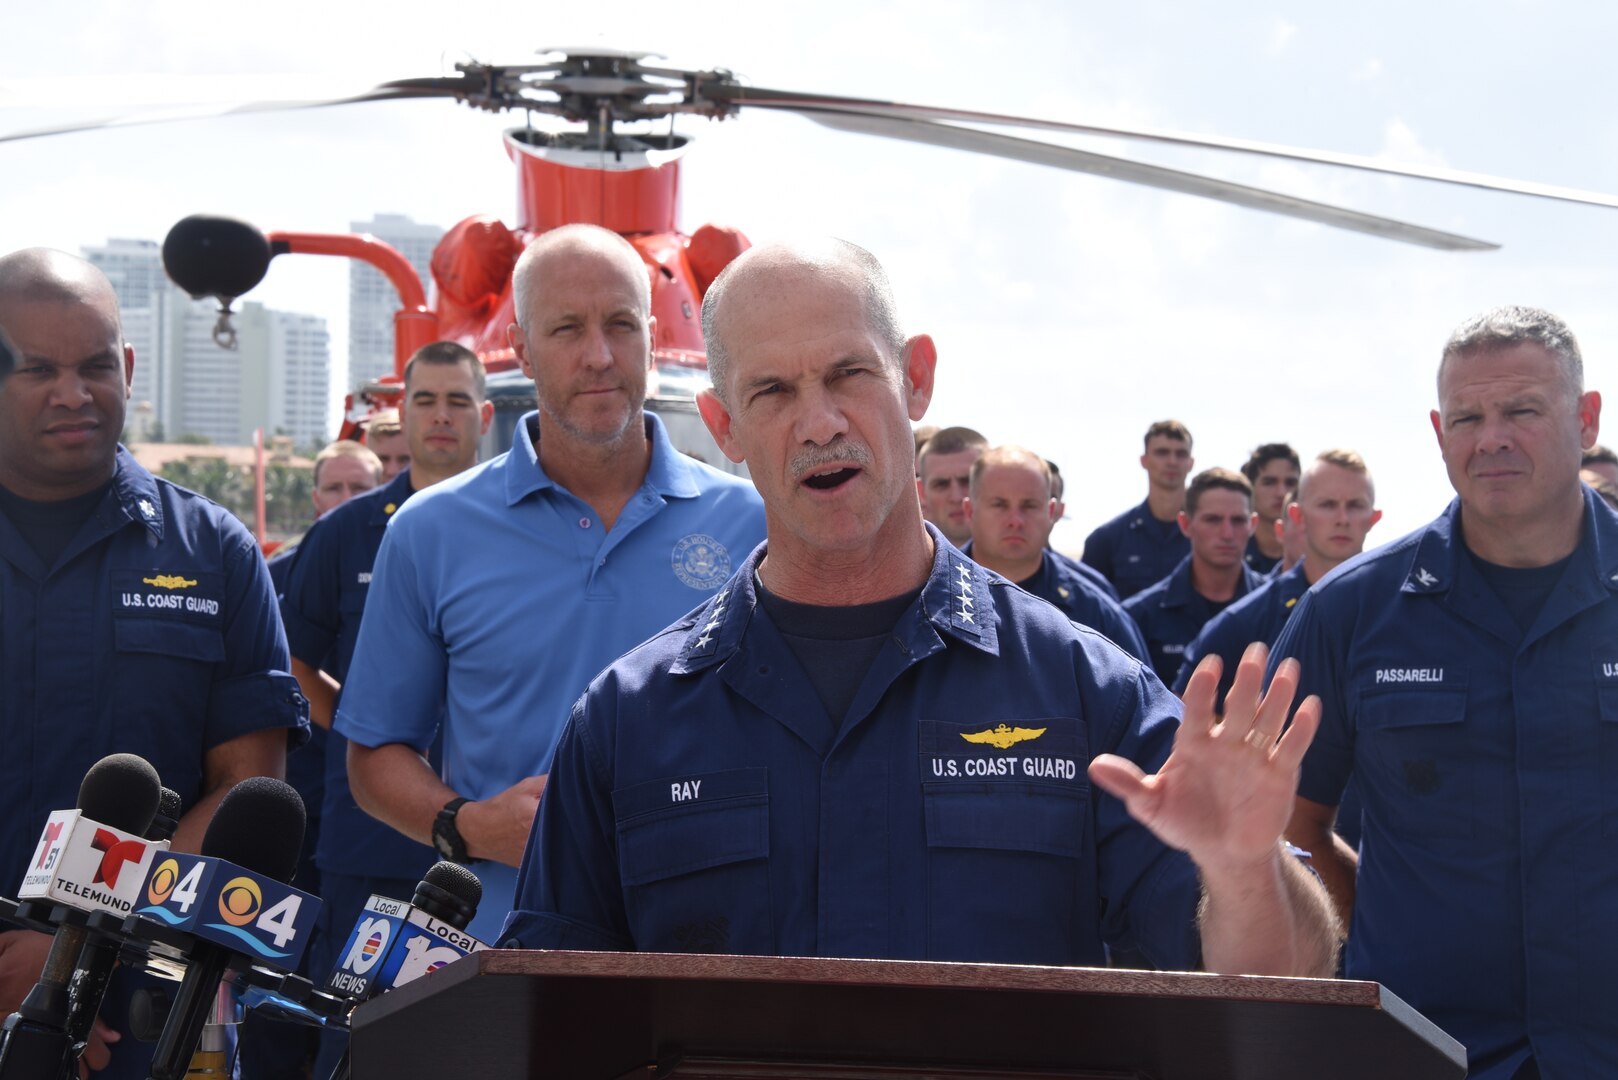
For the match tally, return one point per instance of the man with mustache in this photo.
(497, 594)
(1469, 678)
(864, 746)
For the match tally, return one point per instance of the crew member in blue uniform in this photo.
(500, 592)
(135, 616)
(1216, 521)
(1272, 469)
(1010, 510)
(444, 415)
(1143, 544)
(866, 745)
(1334, 511)
(1469, 678)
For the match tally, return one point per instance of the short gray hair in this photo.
(578, 235)
(1503, 327)
(876, 290)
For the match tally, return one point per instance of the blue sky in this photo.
(1070, 311)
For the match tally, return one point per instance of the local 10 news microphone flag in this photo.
(88, 860)
(394, 943)
(229, 907)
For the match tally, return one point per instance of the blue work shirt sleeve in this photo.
(1098, 553)
(568, 891)
(1149, 891)
(396, 683)
(255, 689)
(309, 604)
(1311, 639)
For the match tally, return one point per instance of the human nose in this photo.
(70, 390)
(821, 419)
(597, 350)
(1496, 435)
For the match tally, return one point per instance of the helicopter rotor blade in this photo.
(411, 88)
(734, 93)
(1064, 157)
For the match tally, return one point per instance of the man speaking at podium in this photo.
(865, 745)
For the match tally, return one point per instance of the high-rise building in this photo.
(185, 383)
(146, 299)
(372, 299)
(277, 379)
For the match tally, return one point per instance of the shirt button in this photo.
(584, 523)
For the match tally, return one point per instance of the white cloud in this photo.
(1279, 37)
(1369, 70)
(1401, 143)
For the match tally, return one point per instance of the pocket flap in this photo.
(169, 637)
(1041, 818)
(687, 823)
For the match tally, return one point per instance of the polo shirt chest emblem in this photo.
(701, 562)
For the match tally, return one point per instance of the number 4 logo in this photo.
(279, 921)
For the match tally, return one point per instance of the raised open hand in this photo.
(1226, 792)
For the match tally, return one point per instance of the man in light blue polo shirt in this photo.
(500, 593)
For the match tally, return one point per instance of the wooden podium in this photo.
(607, 1016)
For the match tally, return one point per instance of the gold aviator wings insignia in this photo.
(1002, 737)
(169, 581)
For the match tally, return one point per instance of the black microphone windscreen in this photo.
(169, 804)
(215, 256)
(121, 790)
(456, 880)
(259, 827)
(167, 819)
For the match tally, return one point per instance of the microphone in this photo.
(394, 943)
(88, 859)
(228, 907)
(100, 953)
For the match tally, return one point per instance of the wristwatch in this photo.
(447, 838)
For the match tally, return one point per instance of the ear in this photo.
(966, 505)
(1376, 516)
(519, 345)
(1295, 513)
(1143, 461)
(1438, 428)
(1053, 511)
(1589, 418)
(1185, 524)
(129, 372)
(488, 417)
(651, 342)
(920, 362)
(717, 417)
(1252, 523)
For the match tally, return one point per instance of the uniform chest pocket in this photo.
(1607, 706)
(693, 857)
(1005, 863)
(168, 637)
(1413, 756)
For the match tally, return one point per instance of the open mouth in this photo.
(830, 481)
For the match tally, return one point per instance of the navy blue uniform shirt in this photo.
(1134, 549)
(1255, 558)
(155, 633)
(698, 802)
(1258, 616)
(322, 607)
(1171, 613)
(1487, 761)
(1058, 581)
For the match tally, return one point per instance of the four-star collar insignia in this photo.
(704, 643)
(966, 594)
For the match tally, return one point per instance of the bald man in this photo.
(867, 746)
(498, 594)
(135, 616)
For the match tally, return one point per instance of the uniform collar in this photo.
(1435, 560)
(670, 474)
(134, 492)
(1180, 593)
(389, 497)
(954, 603)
